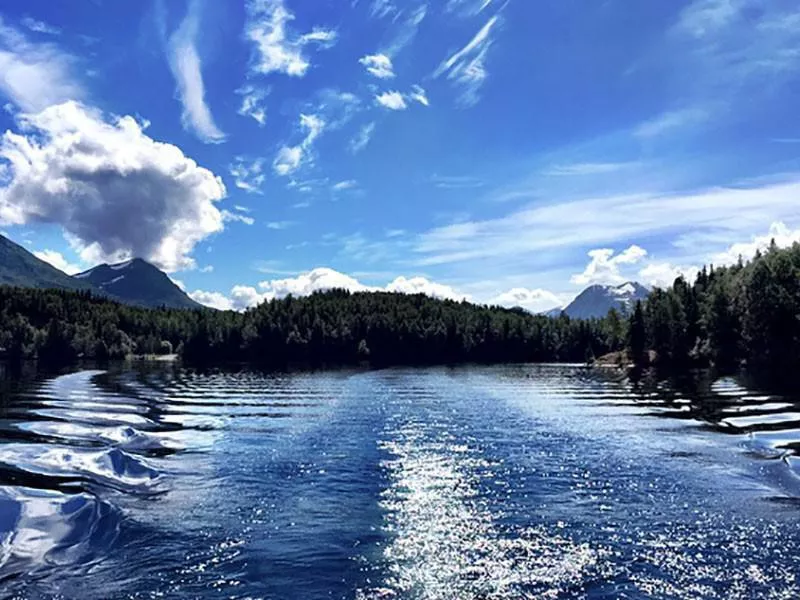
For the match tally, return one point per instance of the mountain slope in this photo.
(596, 300)
(20, 268)
(137, 282)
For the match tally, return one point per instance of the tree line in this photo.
(748, 313)
(745, 314)
(336, 327)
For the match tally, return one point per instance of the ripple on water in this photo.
(42, 529)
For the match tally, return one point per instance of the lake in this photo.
(523, 481)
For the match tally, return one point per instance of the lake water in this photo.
(465, 483)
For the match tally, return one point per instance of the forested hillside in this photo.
(744, 313)
(335, 327)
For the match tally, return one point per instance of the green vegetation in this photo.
(746, 313)
(326, 328)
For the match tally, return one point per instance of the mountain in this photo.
(137, 282)
(20, 268)
(596, 300)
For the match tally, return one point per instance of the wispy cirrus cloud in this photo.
(289, 158)
(276, 47)
(467, 67)
(731, 212)
(40, 26)
(362, 138)
(36, 75)
(248, 174)
(587, 168)
(254, 103)
(186, 66)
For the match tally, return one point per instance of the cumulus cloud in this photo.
(421, 285)
(212, 299)
(467, 67)
(664, 274)
(278, 49)
(36, 75)
(116, 192)
(185, 64)
(378, 65)
(58, 261)
(289, 158)
(604, 266)
(362, 138)
(248, 175)
(392, 100)
(534, 300)
(778, 231)
(253, 103)
(316, 280)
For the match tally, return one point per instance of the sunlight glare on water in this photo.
(469, 483)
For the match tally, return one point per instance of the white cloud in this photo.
(378, 65)
(40, 26)
(345, 185)
(596, 222)
(289, 158)
(778, 231)
(253, 103)
(116, 192)
(418, 94)
(212, 299)
(362, 139)
(421, 285)
(277, 49)
(467, 67)
(404, 30)
(467, 8)
(382, 8)
(664, 274)
(186, 67)
(33, 75)
(232, 217)
(58, 261)
(392, 100)
(603, 268)
(534, 300)
(248, 175)
(278, 225)
(316, 280)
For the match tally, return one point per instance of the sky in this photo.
(503, 151)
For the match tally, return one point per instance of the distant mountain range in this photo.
(132, 282)
(596, 300)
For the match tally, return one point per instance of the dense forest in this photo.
(745, 313)
(335, 327)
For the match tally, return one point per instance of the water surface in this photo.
(483, 482)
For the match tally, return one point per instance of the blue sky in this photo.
(505, 151)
